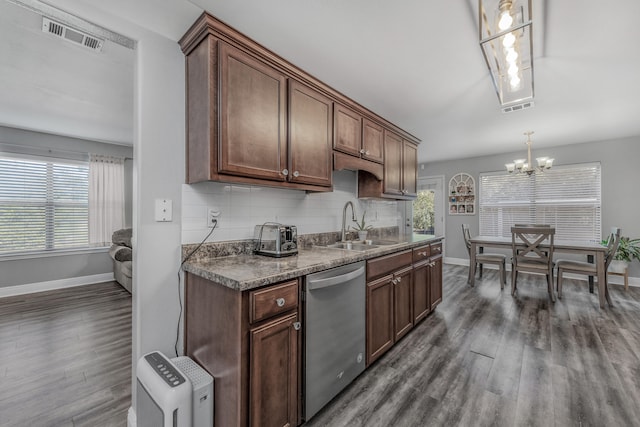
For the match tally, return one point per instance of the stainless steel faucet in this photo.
(344, 219)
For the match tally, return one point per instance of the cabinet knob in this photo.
(280, 302)
(296, 174)
(296, 326)
(285, 172)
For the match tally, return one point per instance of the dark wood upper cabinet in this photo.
(310, 135)
(253, 139)
(400, 171)
(347, 130)
(372, 141)
(393, 164)
(255, 118)
(360, 137)
(409, 169)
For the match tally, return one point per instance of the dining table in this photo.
(594, 251)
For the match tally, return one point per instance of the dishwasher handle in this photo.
(332, 281)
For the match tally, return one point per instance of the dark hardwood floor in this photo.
(65, 357)
(485, 358)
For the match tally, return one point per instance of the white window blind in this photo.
(43, 204)
(567, 197)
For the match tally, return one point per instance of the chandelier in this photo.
(525, 166)
(505, 39)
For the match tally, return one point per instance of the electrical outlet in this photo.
(212, 216)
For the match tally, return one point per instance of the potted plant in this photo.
(362, 228)
(628, 250)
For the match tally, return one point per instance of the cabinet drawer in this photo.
(436, 249)
(378, 267)
(265, 303)
(421, 253)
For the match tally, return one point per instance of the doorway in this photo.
(428, 208)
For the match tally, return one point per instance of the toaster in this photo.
(276, 240)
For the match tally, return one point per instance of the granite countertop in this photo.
(242, 271)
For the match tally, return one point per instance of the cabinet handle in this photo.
(437, 249)
(285, 172)
(403, 191)
(366, 152)
(362, 151)
(296, 174)
(423, 253)
(296, 326)
(280, 302)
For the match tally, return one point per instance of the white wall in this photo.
(243, 207)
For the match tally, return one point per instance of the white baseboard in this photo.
(51, 285)
(131, 417)
(618, 280)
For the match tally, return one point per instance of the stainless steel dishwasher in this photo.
(334, 326)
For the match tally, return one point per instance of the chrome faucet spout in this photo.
(343, 237)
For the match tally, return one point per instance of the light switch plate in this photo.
(164, 210)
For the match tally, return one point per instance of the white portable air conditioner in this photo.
(166, 390)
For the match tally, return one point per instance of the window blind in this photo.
(567, 197)
(43, 204)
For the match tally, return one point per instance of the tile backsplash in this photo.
(242, 207)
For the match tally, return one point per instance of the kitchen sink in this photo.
(352, 246)
(382, 242)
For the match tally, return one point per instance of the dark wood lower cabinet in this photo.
(421, 301)
(402, 303)
(254, 358)
(435, 281)
(402, 289)
(380, 332)
(274, 373)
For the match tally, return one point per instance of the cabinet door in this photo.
(409, 169)
(372, 141)
(435, 281)
(310, 136)
(421, 303)
(402, 303)
(379, 318)
(392, 164)
(252, 106)
(347, 130)
(273, 373)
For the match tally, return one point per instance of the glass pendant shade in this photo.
(506, 42)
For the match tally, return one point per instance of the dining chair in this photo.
(588, 268)
(483, 258)
(532, 252)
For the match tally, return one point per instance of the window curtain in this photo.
(106, 197)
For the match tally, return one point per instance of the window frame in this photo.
(52, 200)
(557, 196)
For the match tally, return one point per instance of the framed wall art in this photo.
(462, 194)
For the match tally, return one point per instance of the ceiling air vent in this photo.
(71, 35)
(517, 107)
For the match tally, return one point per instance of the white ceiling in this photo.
(415, 62)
